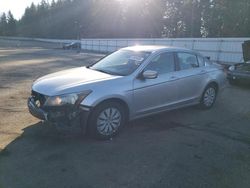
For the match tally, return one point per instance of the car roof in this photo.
(154, 48)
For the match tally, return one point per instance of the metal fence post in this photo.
(219, 50)
(99, 45)
(107, 49)
(193, 44)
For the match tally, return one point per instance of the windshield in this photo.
(122, 62)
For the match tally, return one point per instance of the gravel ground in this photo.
(182, 148)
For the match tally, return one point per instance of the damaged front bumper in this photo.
(65, 117)
(35, 111)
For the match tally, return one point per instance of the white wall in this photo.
(228, 50)
(219, 49)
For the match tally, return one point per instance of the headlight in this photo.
(231, 68)
(68, 99)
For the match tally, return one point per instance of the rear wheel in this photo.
(208, 97)
(106, 120)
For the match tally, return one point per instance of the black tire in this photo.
(209, 97)
(103, 126)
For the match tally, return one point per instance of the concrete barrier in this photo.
(224, 50)
(227, 50)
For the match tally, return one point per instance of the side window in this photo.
(187, 61)
(162, 63)
(201, 61)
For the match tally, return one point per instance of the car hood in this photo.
(68, 81)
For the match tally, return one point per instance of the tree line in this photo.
(8, 25)
(130, 18)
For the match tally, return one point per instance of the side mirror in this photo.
(149, 74)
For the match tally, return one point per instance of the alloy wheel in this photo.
(209, 96)
(108, 121)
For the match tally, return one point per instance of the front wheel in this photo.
(208, 97)
(106, 120)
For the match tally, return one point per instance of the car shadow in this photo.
(25, 161)
(43, 157)
(159, 122)
(242, 85)
(42, 154)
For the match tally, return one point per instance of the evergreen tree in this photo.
(135, 18)
(11, 25)
(3, 25)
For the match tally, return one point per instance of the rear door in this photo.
(192, 77)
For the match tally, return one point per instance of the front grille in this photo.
(38, 97)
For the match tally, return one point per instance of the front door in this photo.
(152, 95)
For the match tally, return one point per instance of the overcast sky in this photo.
(17, 7)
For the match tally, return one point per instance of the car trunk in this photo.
(243, 68)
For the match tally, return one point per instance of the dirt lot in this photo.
(183, 148)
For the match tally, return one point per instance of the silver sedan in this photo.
(130, 83)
